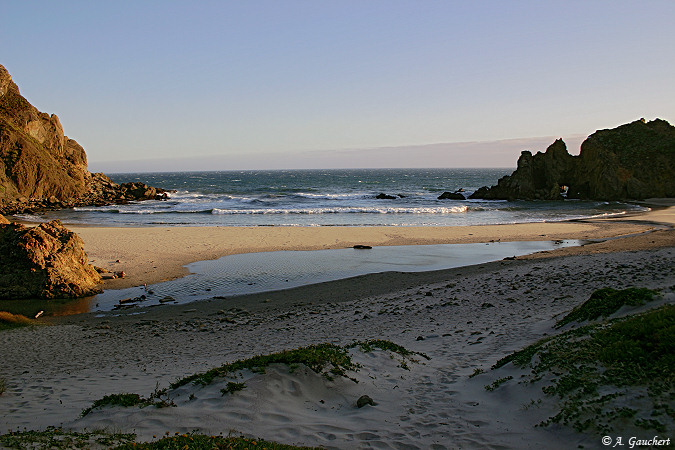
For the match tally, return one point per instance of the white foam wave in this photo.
(30, 218)
(100, 209)
(614, 214)
(354, 210)
(185, 194)
(327, 196)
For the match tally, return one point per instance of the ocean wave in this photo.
(97, 209)
(101, 209)
(187, 196)
(346, 210)
(30, 218)
(604, 215)
(288, 211)
(334, 196)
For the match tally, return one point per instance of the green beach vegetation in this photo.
(200, 441)
(232, 387)
(328, 360)
(605, 302)
(59, 439)
(127, 400)
(607, 375)
(325, 359)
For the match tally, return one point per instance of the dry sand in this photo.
(54, 372)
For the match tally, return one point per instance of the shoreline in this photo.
(150, 255)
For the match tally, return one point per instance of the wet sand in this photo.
(150, 255)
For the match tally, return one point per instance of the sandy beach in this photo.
(53, 372)
(154, 254)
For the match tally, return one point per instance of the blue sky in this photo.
(295, 84)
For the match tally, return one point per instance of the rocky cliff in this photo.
(40, 167)
(631, 162)
(45, 261)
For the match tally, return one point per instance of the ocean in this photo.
(327, 197)
(320, 198)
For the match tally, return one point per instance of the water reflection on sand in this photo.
(261, 272)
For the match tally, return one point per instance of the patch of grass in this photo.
(498, 382)
(605, 302)
(128, 400)
(199, 441)
(325, 359)
(598, 369)
(232, 387)
(388, 346)
(476, 371)
(116, 400)
(56, 438)
(521, 357)
(370, 345)
(329, 360)
(9, 320)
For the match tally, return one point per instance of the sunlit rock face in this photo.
(36, 159)
(631, 162)
(40, 167)
(46, 261)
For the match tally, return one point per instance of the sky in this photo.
(270, 84)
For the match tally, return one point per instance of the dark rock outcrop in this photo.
(451, 196)
(383, 196)
(538, 176)
(46, 261)
(633, 161)
(630, 162)
(41, 168)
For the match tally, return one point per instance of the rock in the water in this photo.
(364, 400)
(362, 247)
(383, 196)
(46, 261)
(630, 162)
(538, 176)
(451, 196)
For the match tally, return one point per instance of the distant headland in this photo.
(631, 162)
